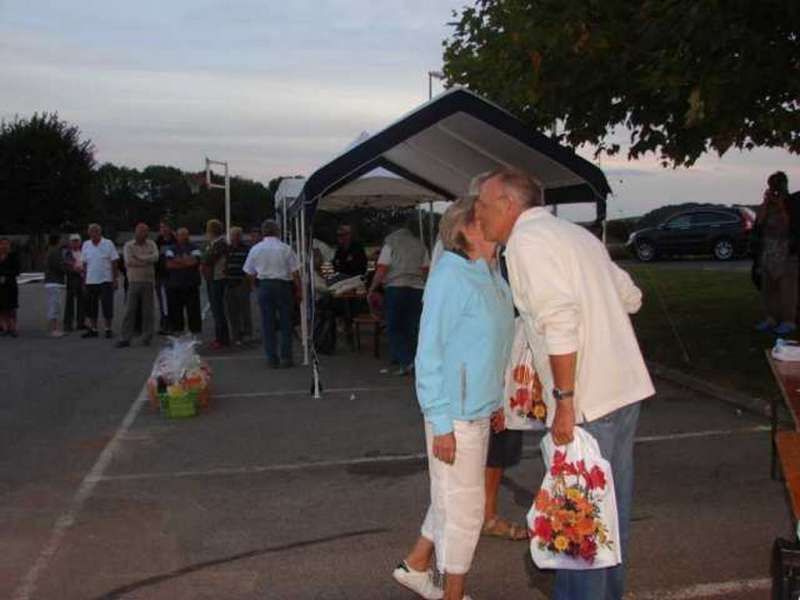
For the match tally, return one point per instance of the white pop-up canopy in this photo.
(286, 195)
(442, 145)
(437, 150)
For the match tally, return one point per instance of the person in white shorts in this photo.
(54, 283)
(465, 335)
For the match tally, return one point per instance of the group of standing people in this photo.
(81, 279)
(574, 304)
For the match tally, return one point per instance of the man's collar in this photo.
(537, 212)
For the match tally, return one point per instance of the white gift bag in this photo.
(524, 403)
(573, 521)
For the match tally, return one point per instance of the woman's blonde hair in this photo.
(451, 228)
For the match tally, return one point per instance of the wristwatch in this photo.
(562, 394)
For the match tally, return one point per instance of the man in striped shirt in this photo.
(237, 290)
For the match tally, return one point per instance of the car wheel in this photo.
(645, 250)
(723, 249)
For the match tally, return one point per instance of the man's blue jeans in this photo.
(615, 435)
(216, 297)
(403, 306)
(275, 299)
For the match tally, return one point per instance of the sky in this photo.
(276, 88)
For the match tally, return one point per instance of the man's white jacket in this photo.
(573, 298)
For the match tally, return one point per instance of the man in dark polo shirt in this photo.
(350, 258)
(165, 239)
(237, 290)
(183, 283)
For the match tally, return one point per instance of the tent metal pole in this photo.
(421, 227)
(431, 225)
(303, 282)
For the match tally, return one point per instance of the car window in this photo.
(713, 218)
(680, 222)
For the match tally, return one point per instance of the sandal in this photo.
(500, 528)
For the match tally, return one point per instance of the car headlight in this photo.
(631, 238)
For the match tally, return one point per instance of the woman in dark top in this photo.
(9, 295)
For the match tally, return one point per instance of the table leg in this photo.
(773, 469)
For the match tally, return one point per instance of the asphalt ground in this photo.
(274, 494)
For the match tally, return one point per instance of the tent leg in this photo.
(303, 281)
(421, 228)
(430, 226)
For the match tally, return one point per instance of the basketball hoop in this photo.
(195, 181)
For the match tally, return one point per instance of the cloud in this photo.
(273, 87)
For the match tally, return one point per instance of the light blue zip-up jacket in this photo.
(464, 344)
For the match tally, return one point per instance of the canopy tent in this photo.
(446, 142)
(379, 190)
(435, 151)
(287, 193)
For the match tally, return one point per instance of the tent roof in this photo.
(444, 143)
(289, 189)
(381, 190)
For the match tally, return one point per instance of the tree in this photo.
(682, 76)
(45, 173)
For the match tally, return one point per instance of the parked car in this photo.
(723, 233)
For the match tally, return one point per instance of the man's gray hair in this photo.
(517, 184)
(270, 228)
(93, 226)
(451, 228)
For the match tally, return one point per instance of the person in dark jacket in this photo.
(9, 292)
(165, 239)
(350, 258)
(183, 283)
(54, 283)
(237, 290)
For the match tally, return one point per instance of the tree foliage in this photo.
(45, 173)
(681, 76)
(125, 196)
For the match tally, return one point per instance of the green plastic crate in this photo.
(179, 407)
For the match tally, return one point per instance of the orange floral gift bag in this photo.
(525, 406)
(573, 521)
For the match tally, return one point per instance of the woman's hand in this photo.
(444, 447)
(498, 420)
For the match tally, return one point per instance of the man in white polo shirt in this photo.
(275, 267)
(100, 260)
(575, 304)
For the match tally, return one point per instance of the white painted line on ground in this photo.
(236, 357)
(27, 586)
(701, 434)
(395, 458)
(705, 590)
(307, 392)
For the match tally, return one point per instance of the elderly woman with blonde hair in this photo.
(464, 342)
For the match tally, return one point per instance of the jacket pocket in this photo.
(463, 388)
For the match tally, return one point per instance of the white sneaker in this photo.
(420, 582)
(57, 333)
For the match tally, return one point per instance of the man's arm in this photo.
(540, 281)
(131, 260)
(381, 269)
(115, 272)
(563, 367)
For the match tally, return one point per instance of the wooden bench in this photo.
(377, 327)
(786, 449)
